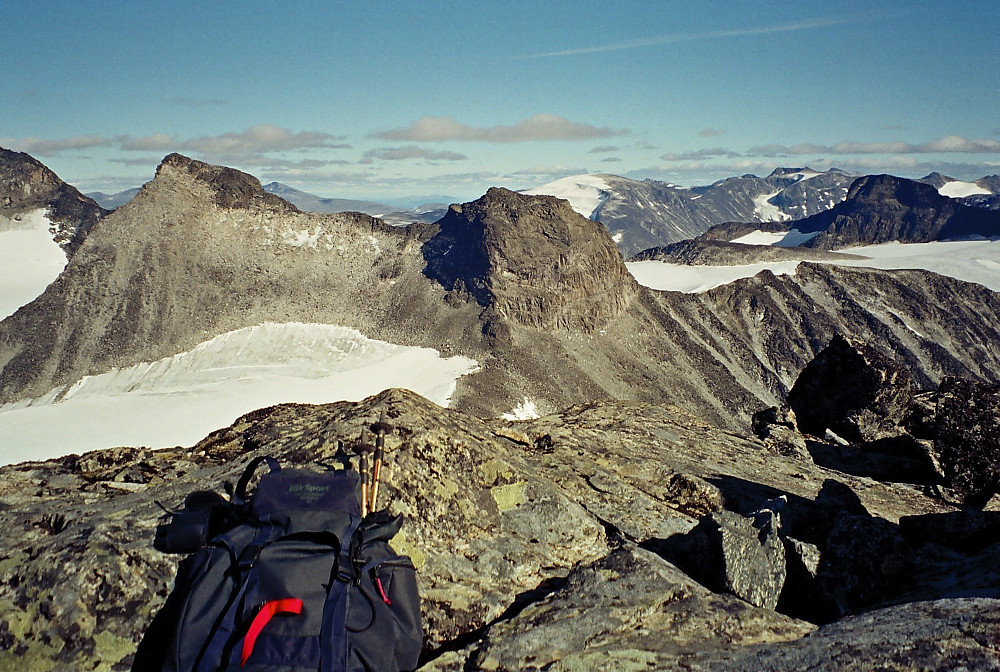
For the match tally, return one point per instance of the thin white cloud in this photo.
(537, 127)
(158, 142)
(549, 171)
(700, 154)
(51, 147)
(409, 152)
(950, 144)
(657, 40)
(256, 140)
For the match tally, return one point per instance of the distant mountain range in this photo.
(534, 292)
(390, 214)
(307, 202)
(113, 201)
(879, 209)
(640, 215)
(645, 214)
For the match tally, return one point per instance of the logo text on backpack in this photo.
(308, 492)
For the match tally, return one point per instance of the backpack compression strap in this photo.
(289, 605)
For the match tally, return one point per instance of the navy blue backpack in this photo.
(291, 579)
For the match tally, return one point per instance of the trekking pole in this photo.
(380, 428)
(363, 470)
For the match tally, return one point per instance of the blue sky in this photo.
(388, 100)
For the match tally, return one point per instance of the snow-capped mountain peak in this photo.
(585, 193)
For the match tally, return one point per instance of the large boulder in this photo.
(967, 438)
(853, 390)
(729, 554)
(864, 563)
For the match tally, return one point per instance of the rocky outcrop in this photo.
(629, 610)
(727, 553)
(26, 184)
(230, 189)
(853, 390)
(531, 260)
(515, 528)
(948, 437)
(967, 439)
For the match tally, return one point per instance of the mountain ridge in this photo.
(204, 250)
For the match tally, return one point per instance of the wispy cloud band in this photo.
(537, 127)
(657, 40)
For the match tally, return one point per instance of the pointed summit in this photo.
(533, 260)
(227, 187)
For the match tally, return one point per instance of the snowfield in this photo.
(585, 193)
(181, 399)
(792, 238)
(29, 260)
(959, 189)
(969, 260)
(695, 279)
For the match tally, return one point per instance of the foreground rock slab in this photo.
(624, 611)
(506, 521)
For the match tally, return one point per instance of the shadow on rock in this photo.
(820, 560)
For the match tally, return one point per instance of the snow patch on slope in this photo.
(179, 400)
(526, 410)
(29, 259)
(792, 238)
(585, 193)
(959, 189)
(768, 212)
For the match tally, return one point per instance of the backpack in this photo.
(291, 579)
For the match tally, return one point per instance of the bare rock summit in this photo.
(532, 260)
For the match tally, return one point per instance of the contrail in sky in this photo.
(657, 40)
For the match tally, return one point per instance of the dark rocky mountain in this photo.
(115, 200)
(986, 201)
(428, 213)
(881, 209)
(26, 185)
(640, 215)
(533, 292)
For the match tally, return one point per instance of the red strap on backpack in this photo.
(290, 605)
